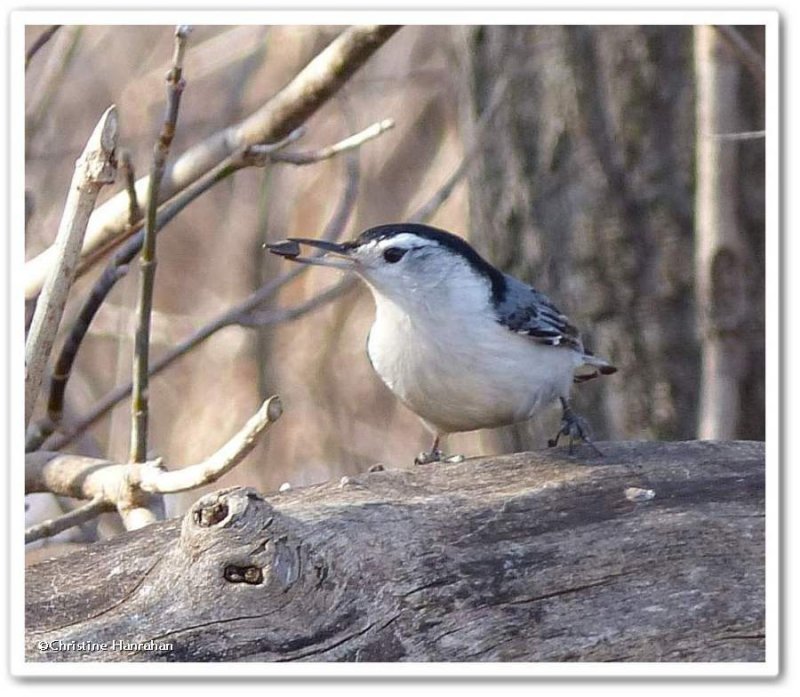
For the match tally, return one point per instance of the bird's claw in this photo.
(427, 458)
(573, 426)
(437, 456)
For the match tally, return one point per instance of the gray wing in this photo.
(525, 310)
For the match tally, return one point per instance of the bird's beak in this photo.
(290, 249)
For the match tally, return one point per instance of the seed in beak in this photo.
(287, 248)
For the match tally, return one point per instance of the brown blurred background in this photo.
(584, 186)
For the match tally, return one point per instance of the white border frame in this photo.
(769, 19)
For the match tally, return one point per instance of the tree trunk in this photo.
(586, 190)
(654, 552)
(720, 253)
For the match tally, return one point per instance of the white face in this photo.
(425, 280)
(408, 269)
(406, 264)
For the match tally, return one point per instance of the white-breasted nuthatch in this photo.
(461, 344)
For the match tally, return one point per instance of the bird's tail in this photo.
(592, 367)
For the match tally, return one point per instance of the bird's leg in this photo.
(436, 455)
(573, 426)
(433, 455)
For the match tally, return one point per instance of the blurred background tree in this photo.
(584, 185)
(587, 187)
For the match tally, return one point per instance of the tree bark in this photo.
(587, 191)
(654, 552)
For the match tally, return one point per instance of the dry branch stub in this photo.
(131, 488)
(96, 167)
(653, 553)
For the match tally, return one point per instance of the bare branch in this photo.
(78, 516)
(743, 135)
(221, 462)
(255, 156)
(66, 358)
(426, 212)
(40, 41)
(141, 353)
(238, 314)
(76, 476)
(287, 110)
(95, 167)
(268, 318)
(350, 143)
(51, 79)
(744, 52)
(130, 487)
(69, 351)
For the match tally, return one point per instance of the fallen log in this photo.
(654, 552)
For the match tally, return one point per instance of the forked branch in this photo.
(128, 487)
(247, 313)
(95, 168)
(278, 117)
(258, 156)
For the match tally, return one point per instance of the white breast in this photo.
(462, 371)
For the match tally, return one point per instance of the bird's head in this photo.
(406, 262)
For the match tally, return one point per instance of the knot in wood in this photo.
(223, 506)
(251, 575)
(234, 529)
(209, 511)
(206, 516)
(237, 512)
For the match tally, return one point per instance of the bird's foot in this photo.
(573, 426)
(437, 456)
(427, 458)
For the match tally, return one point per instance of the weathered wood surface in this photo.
(527, 557)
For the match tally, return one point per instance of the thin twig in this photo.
(426, 211)
(95, 167)
(51, 79)
(744, 52)
(118, 266)
(77, 516)
(141, 353)
(128, 171)
(243, 313)
(354, 141)
(40, 41)
(284, 112)
(268, 318)
(744, 135)
(234, 315)
(66, 358)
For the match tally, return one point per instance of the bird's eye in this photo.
(394, 254)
